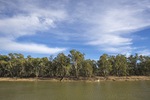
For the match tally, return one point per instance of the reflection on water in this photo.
(138, 90)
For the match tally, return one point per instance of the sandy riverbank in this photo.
(94, 79)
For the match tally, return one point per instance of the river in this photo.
(107, 90)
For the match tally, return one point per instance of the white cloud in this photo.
(106, 24)
(27, 18)
(123, 20)
(123, 49)
(32, 20)
(23, 25)
(114, 22)
(145, 52)
(10, 45)
(111, 40)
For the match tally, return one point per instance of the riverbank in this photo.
(93, 79)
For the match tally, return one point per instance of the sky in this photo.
(41, 28)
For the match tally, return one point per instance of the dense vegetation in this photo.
(73, 65)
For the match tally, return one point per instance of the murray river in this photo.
(44, 90)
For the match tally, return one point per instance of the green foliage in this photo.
(62, 62)
(121, 65)
(73, 65)
(132, 64)
(86, 69)
(144, 65)
(104, 65)
(76, 59)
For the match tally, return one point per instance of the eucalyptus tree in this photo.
(112, 61)
(121, 65)
(76, 59)
(51, 69)
(147, 68)
(3, 68)
(20, 65)
(144, 65)
(104, 65)
(4, 58)
(37, 66)
(132, 64)
(94, 65)
(62, 63)
(44, 64)
(15, 64)
(29, 67)
(86, 69)
(3, 63)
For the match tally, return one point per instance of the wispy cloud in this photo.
(11, 45)
(105, 24)
(114, 22)
(23, 25)
(27, 19)
(145, 52)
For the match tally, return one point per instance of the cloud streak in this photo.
(28, 20)
(144, 52)
(114, 22)
(105, 24)
(11, 45)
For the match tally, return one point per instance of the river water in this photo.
(134, 90)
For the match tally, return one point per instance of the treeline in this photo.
(73, 65)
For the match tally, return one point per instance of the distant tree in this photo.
(16, 65)
(76, 59)
(132, 64)
(86, 69)
(44, 63)
(93, 63)
(63, 64)
(4, 58)
(121, 65)
(112, 61)
(29, 67)
(144, 65)
(3, 63)
(3, 69)
(104, 65)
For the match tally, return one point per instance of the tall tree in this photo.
(44, 63)
(3, 63)
(76, 59)
(112, 61)
(63, 64)
(144, 65)
(104, 65)
(87, 68)
(121, 65)
(132, 64)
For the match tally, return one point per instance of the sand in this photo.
(93, 79)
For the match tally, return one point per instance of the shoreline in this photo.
(81, 79)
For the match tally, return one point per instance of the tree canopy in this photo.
(73, 65)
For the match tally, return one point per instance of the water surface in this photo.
(137, 90)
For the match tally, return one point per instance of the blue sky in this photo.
(48, 27)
